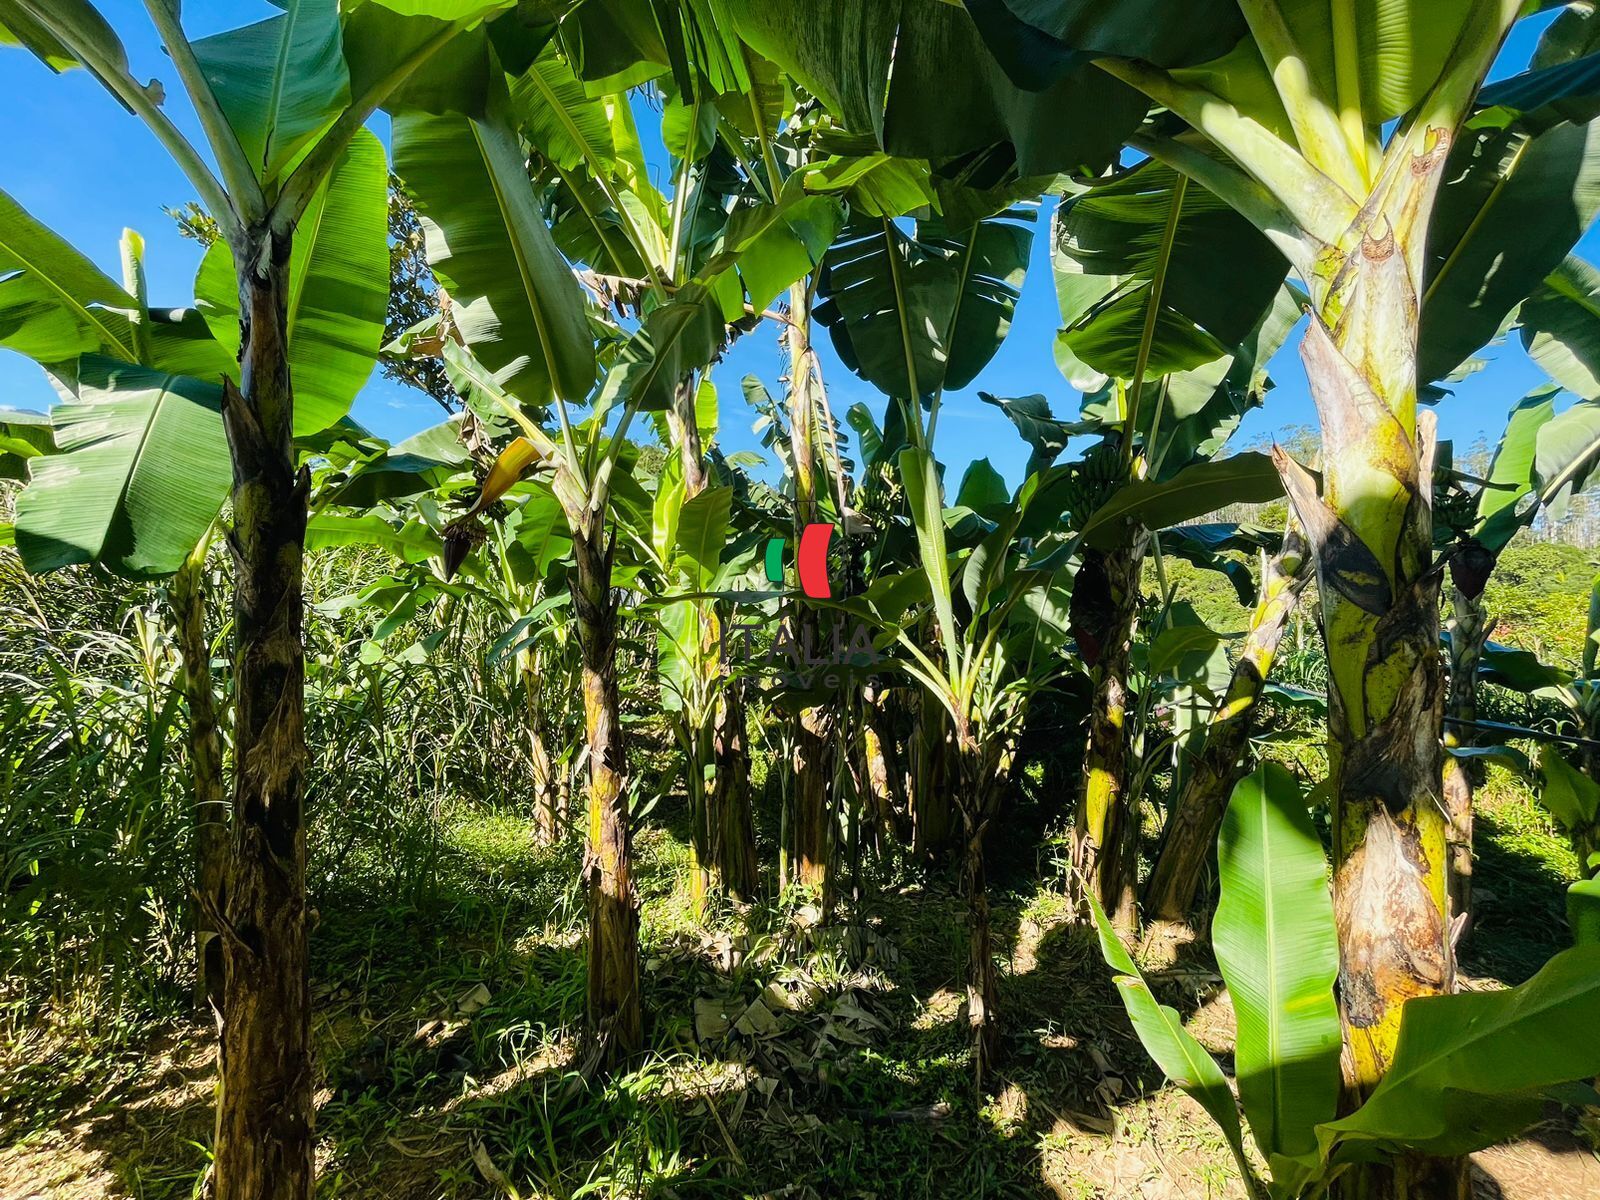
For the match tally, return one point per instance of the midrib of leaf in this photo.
(280, 71)
(163, 390)
(520, 254)
(600, 230)
(71, 301)
(1269, 919)
(1478, 219)
(596, 169)
(1158, 284)
(889, 235)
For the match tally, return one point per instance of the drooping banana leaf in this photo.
(140, 472)
(1137, 262)
(918, 313)
(1512, 205)
(53, 300)
(1161, 1032)
(916, 77)
(1472, 1069)
(514, 299)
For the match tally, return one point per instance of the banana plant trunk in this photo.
(264, 1137)
(930, 793)
(982, 770)
(1192, 828)
(880, 771)
(1469, 631)
(188, 600)
(812, 757)
(733, 832)
(1370, 529)
(1106, 830)
(615, 1017)
(722, 832)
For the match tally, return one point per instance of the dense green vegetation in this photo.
(491, 813)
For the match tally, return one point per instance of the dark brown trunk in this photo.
(733, 834)
(1106, 833)
(934, 820)
(1192, 828)
(812, 749)
(615, 1018)
(812, 766)
(264, 1139)
(210, 797)
(981, 787)
(1469, 630)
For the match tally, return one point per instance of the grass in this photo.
(784, 1060)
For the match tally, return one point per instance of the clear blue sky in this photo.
(87, 168)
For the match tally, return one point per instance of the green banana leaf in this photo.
(514, 299)
(1161, 1032)
(280, 82)
(53, 300)
(917, 313)
(1136, 262)
(1471, 1069)
(1202, 488)
(338, 288)
(1276, 943)
(140, 472)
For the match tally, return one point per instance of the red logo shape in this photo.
(811, 561)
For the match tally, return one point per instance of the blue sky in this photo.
(85, 167)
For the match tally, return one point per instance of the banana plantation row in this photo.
(1232, 173)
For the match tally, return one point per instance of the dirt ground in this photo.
(769, 1089)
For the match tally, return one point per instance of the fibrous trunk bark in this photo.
(1469, 630)
(733, 832)
(1192, 828)
(264, 1106)
(1106, 831)
(615, 1018)
(722, 833)
(1370, 529)
(930, 783)
(982, 773)
(210, 798)
(811, 759)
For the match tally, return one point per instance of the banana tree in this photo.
(917, 313)
(1175, 362)
(1472, 1069)
(1289, 115)
(1191, 829)
(513, 298)
(144, 502)
(280, 104)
